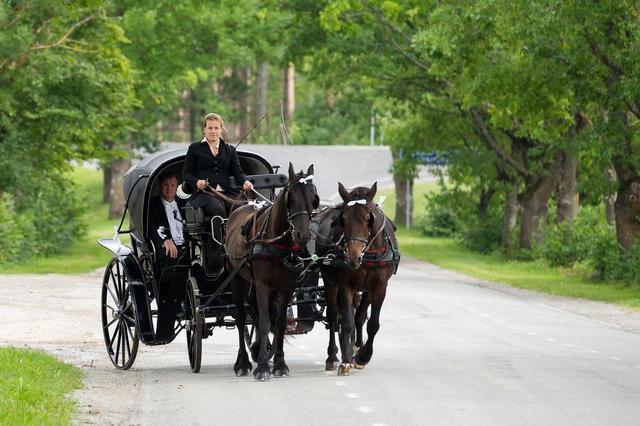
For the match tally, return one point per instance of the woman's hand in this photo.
(201, 184)
(247, 186)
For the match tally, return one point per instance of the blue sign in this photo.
(431, 158)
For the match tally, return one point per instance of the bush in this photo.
(482, 235)
(568, 243)
(590, 240)
(41, 223)
(445, 212)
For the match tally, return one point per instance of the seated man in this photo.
(165, 222)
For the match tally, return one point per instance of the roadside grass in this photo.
(84, 255)
(532, 275)
(33, 386)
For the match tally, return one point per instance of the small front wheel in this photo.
(194, 325)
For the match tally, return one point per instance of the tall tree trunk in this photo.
(116, 192)
(627, 210)
(288, 100)
(627, 205)
(106, 181)
(610, 200)
(244, 104)
(404, 203)
(262, 88)
(106, 174)
(533, 200)
(486, 194)
(509, 218)
(567, 194)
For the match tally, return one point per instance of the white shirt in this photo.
(205, 140)
(175, 221)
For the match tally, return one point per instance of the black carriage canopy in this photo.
(141, 181)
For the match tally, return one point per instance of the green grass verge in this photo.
(33, 388)
(85, 254)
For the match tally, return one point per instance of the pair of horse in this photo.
(273, 241)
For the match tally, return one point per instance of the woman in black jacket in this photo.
(212, 162)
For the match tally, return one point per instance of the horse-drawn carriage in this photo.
(143, 301)
(250, 270)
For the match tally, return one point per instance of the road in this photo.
(451, 350)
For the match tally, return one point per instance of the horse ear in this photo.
(310, 170)
(292, 173)
(343, 192)
(372, 191)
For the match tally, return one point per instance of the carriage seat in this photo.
(198, 222)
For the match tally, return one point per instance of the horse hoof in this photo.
(284, 372)
(358, 366)
(262, 376)
(345, 369)
(330, 365)
(242, 372)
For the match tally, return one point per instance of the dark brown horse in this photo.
(366, 254)
(271, 242)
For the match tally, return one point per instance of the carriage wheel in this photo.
(194, 324)
(118, 316)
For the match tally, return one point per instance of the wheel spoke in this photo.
(113, 339)
(119, 328)
(113, 295)
(106, 305)
(126, 340)
(112, 321)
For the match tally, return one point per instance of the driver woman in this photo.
(212, 162)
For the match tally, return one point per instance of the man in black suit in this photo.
(165, 221)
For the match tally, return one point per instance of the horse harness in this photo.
(293, 256)
(385, 255)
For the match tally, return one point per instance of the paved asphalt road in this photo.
(450, 351)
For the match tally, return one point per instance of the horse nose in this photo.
(301, 238)
(355, 263)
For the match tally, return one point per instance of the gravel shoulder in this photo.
(60, 314)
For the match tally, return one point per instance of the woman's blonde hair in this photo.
(213, 116)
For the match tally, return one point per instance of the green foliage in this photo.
(590, 241)
(43, 223)
(35, 387)
(534, 275)
(445, 212)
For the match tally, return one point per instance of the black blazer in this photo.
(158, 217)
(200, 163)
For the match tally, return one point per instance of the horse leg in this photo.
(264, 323)
(363, 356)
(345, 303)
(331, 296)
(280, 368)
(360, 318)
(243, 366)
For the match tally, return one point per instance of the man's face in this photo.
(168, 188)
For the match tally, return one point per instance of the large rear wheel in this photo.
(118, 316)
(194, 325)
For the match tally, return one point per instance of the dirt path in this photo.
(60, 314)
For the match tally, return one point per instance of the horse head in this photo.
(300, 200)
(357, 220)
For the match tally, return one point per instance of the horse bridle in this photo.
(370, 239)
(304, 181)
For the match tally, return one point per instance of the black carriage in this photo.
(141, 301)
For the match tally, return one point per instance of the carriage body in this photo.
(141, 302)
